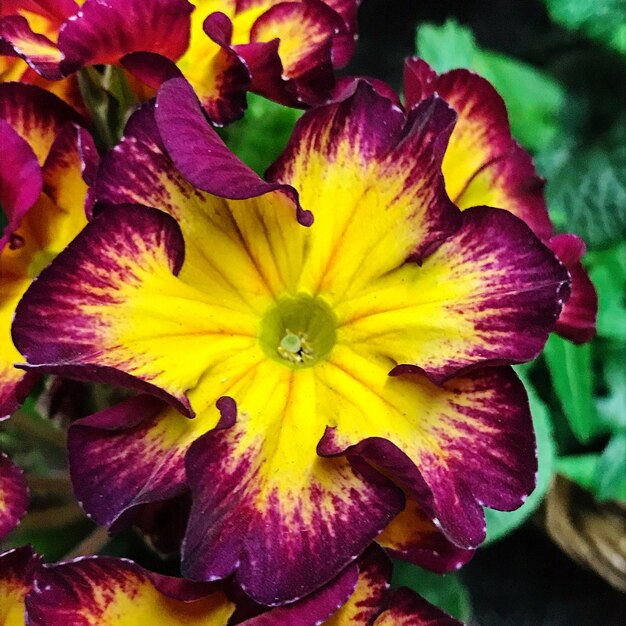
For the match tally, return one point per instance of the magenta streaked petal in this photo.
(276, 553)
(466, 470)
(74, 281)
(200, 154)
(108, 591)
(21, 179)
(412, 536)
(577, 321)
(316, 608)
(406, 608)
(37, 50)
(35, 114)
(106, 30)
(118, 460)
(13, 495)
(17, 571)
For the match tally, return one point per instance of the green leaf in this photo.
(612, 406)
(587, 194)
(604, 20)
(572, 375)
(447, 591)
(501, 523)
(608, 273)
(611, 471)
(534, 121)
(580, 468)
(262, 134)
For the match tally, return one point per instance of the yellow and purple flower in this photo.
(286, 51)
(328, 365)
(107, 591)
(29, 30)
(47, 154)
(485, 165)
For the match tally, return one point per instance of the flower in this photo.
(325, 363)
(29, 30)
(286, 51)
(42, 192)
(485, 165)
(109, 591)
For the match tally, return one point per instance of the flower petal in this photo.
(35, 114)
(482, 132)
(37, 50)
(109, 591)
(412, 536)
(216, 71)
(375, 185)
(406, 608)
(203, 158)
(315, 608)
(21, 180)
(447, 445)
(510, 182)
(370, 592)
(577, 321)
(128, 455)
(13, 495)
(285, 519)
(106, 30)
(305, 31)
(17, 569)
(138, 339)
(490, 293)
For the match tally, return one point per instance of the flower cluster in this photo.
(320, 358)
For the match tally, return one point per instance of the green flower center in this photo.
(298, 331)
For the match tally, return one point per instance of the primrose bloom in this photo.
(42, 191)
(286, 51)
(328, 365)
(107, 591)
(485, 165)
(29, 30)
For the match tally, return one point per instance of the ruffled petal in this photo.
(374, 185)
(103, 31)
(303, 57)
(110, 591)
(490, 293)
(406, 608)
(577, 321)
(35, 114)
(217, 72)
(285, 519)
(128, 455)
(21, 179)
(17, 570)
(13, 495)
(141, 260)
(482, 132)
(510, 182)
(412, 536)
(370, 592)
(447, 445)
(37, 50)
